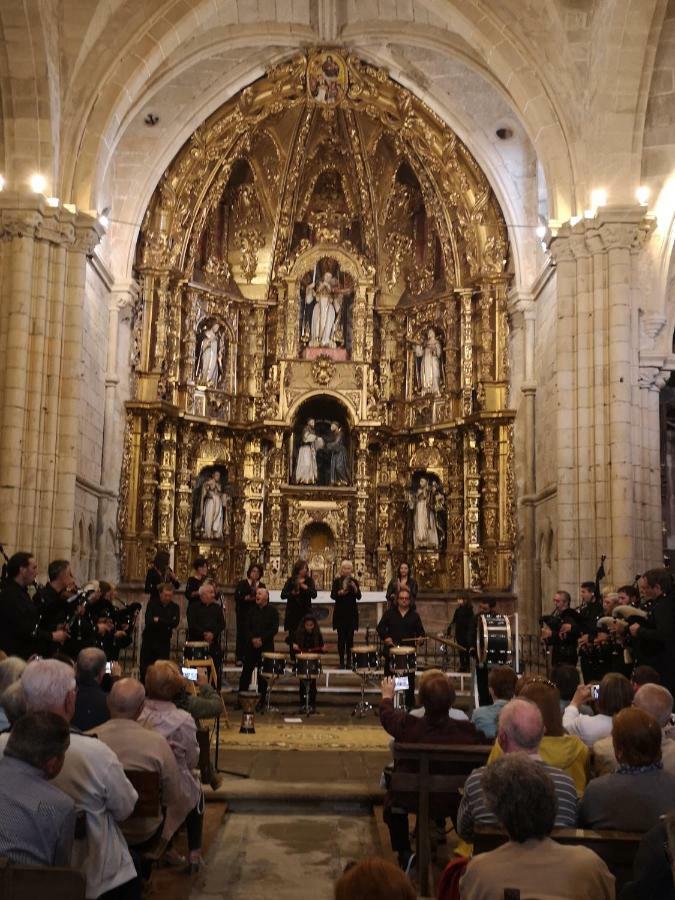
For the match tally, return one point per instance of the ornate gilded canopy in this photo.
(321, 357)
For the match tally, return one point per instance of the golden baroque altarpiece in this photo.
(320, 344)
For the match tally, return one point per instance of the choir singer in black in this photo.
(162, 615)
(206, 622)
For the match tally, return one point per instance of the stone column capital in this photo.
(32, 215)
(124, 296)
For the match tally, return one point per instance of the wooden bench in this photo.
(29, 882)
(426, 780)
(616, 848)
(148, 806)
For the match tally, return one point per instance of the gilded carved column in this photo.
(276, 471)
(167, 485)
(472, 576)
(149, 482)
(361, 501)
(253, 496)
(466, 341)
(183, 501)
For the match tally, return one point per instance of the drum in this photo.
(402, 660)
(307, 665)
(364, 658)
(196, 650)
(493, 640)
(273, 665)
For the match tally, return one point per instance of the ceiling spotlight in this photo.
(38, 183)
(504, 133)
(642, 195)
(2, 183)
(52, 201)
(598, 198)
(151, 119)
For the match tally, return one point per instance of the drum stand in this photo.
(270, 686)
(308, 682)
(363, 707)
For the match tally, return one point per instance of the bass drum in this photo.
(494, 645)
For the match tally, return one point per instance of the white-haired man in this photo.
(94, 779)
(145, 750)
(206, 622)
(520, 730)
(658, 702)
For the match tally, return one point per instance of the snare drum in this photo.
(493, 640)
(273, 665)
(196, 650)
(402, 660)
(307, 665)
(364, 658)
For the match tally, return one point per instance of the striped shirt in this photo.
(473, 809)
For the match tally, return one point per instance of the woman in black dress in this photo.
(244, 599)
(345, 592)
(403, 579)
(298, 592)
(159, 573)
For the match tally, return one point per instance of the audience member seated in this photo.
(163, 685)
(14, 702)
(567, 679)
(520, 793)
(94, 779)
(557, 748)
(644, 675)
(632, 798)
(11, 670)
(37, 823)
(658, 702)
(653, 864)
(374, 879)
(615, 694)
(206, 703)
(521, 729)
(436, 695)
(91, 705)
(502, 682)
(144, 750)
(453, 712)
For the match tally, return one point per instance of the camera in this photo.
(108, 668)
(189, 673)
(401, 683)
(595, 691)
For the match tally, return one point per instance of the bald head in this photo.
(655, 700)
(521, 727)
(90, 664)
(125, 700)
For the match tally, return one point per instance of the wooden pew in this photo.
(426, 780)
(29, 882)
(148, 806)
(616, 848)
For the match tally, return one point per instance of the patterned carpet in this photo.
(309, 735)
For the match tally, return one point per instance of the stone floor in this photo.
(284, 855)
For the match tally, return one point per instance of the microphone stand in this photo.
(219, 678)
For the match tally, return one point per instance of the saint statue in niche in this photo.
(429, 364)
(306, 471)
(325, 299)
(210, 367)
(427, 504)
(212, 505)
(323, 457)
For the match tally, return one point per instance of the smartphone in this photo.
(401, 683)
(190, 673)
(595, 691)
(108, 668)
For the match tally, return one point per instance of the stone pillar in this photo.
(42, 293)
(597, 358)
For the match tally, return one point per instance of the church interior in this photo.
(335, 302)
